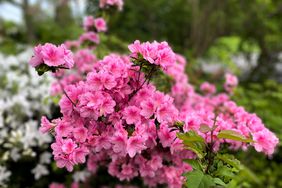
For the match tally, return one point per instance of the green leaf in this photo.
(218, 181)
(194, 142)
(231, 160)
(198, 150)
(205, 129)
(225, 171)
(194, 163)
(42, 68)
(233, 135)
(197, 179)
(190, 136)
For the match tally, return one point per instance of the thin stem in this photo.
(139, 72)
(210, 153)
(147, 79)
(66, 94)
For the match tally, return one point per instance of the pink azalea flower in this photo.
(155, 53)
(119, 141)
(231, 81)
(100, 24)
(156, 162)
(166, 113)
(88, 23)
(95, 80)
(63, 129)
(208, 88)
(265, 141)
(68, 146)
(117, 3)
(75, 185)
(80, 134)
(79, 155)
(52, 56)
(165, 135)
(148, 108)
(108, 81)
(89, 37)
(46, 125)
(107, 106)
(132, 115)
(135, 145)
(37, 58)
(56, 185)
(62, 162)
(127, 172)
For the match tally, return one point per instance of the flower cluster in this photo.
(231, 82)
(116, 118)
(112, 117)
(92, 24)
(90, 38)
(52, 56)
(83, 59)
(219, 112)
(208, 88)
(111, 3)
(155, 53)
(21, 98)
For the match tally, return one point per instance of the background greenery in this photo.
(209, 31)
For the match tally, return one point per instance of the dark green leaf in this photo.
(225, 171)
(218, 181)
(197, 179)
(231, 160)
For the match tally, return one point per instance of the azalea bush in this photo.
(115, 116)
(22, 100)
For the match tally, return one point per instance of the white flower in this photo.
(4, 176)
(45, 158)
(15, 154)
(21, 105)
(39, 171)
(80, 176)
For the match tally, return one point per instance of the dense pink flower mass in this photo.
(101, 116)
(113, 116)
(52, 56)
(197, 110)
(108, 119)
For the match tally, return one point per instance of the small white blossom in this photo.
(15, 155)
(39, 171)
(80, 176)
(22, 93)
(45, 158)
(4, 176)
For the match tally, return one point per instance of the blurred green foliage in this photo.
(264, 99)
